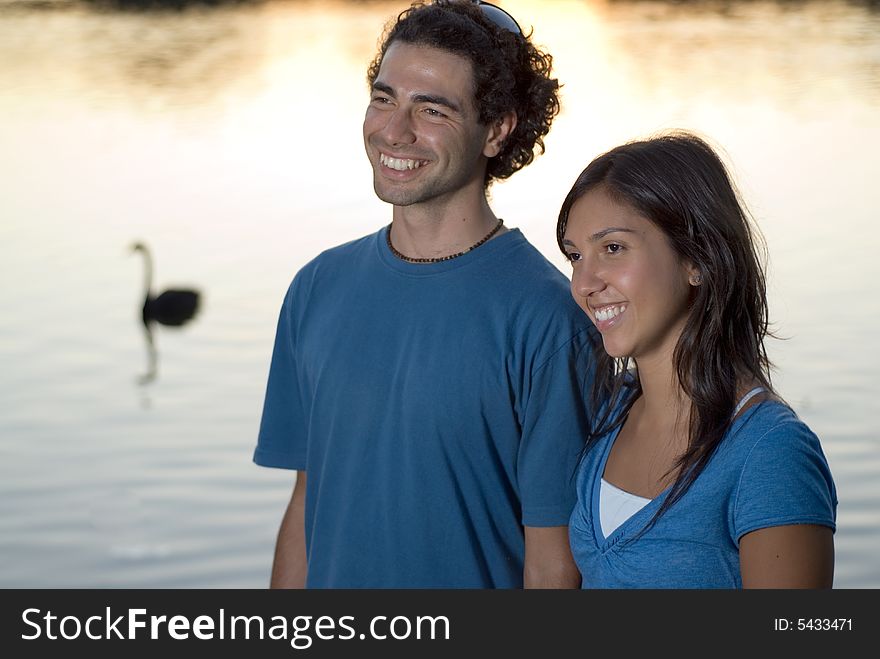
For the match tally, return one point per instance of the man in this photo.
(427, 380)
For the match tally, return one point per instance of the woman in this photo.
(697, 475)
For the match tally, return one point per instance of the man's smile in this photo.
(400, 164)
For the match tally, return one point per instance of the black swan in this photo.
(171, 307)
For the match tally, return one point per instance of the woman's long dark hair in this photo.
(680, 184)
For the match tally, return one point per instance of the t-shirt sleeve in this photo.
(281, 441)
(554, 430)
(785, 480)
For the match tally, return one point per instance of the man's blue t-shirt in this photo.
(435, 408)
(769, 470)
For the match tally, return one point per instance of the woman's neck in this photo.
(662, 393)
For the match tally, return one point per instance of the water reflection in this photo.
(163, 5)
(236, 129)
(154, 59)
(173, 307)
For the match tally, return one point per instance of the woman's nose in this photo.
(586, 279)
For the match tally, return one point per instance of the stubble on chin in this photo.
(397, 196)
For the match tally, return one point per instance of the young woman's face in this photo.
(626, 277)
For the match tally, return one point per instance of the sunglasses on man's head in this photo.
(500, 17)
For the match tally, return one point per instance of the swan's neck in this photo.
(148, 273)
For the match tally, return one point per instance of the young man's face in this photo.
(421, 131)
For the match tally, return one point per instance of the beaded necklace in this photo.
(438, 259)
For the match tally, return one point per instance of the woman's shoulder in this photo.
(768, 409)
(770, 421)
(781, 474)
(771, 442)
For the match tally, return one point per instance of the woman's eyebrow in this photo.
(604, 232)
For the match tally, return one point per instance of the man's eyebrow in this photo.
(436, 100)
(382, 87)
(433, 99)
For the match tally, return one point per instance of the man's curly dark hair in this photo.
(510, 73)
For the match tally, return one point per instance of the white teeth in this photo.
(609, 312)
(399, 164)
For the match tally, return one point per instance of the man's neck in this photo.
(434, 231)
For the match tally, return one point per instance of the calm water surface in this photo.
(229, 140)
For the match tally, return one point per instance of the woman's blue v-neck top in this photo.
(769, 470)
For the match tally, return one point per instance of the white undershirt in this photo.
(616, 505)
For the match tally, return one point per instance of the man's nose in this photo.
(398, 129)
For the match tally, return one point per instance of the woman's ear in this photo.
(695, 277)
(498, 134)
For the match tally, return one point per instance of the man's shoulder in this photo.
(325, 267)
(533, 277)
(351, 249)
(536, 296)
(348, 254)
(526, 260)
